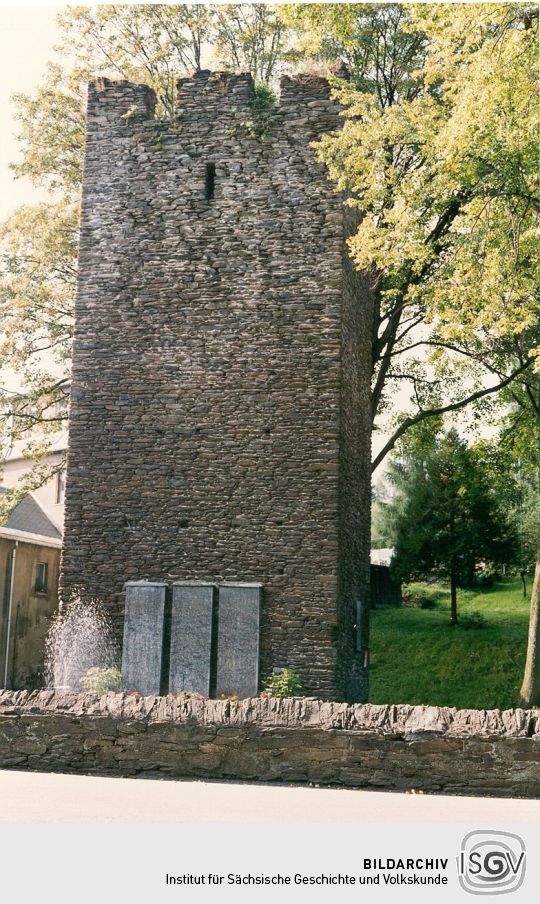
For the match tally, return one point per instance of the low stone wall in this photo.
(296, 740)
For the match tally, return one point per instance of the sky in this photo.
(27, 37)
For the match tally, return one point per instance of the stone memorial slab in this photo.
(143, 637)
(191, 637)
(238, 639)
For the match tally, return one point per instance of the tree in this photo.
(252, 38)
(445, 517)
(445, 177)
(39, 266)
(522, 432)
(378, 43)
(155, 43)
(37, 290)
(530, 688)
(521, 435)
(51, 126)
(150, 43)
(516, 487)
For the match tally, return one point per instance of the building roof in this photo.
(28, 516)
(382, 556)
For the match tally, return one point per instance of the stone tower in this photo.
(220, 426)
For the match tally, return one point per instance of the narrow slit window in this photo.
(210, 181)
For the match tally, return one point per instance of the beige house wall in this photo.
(14, 469)
(31, 612)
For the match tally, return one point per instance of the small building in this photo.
(30, 545)
(385, 589)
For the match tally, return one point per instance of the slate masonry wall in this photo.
(430, 748)
(220, 402)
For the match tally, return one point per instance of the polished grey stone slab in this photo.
(238, 639)
(191, 637)
(143, 637)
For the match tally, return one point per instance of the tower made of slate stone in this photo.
(220, 422)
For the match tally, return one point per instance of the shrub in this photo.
(426, 602)
(284, 683)
(99, 681)
(484, 580)
(472, 621)
(263, 98)
(423, 596)
(261, 109)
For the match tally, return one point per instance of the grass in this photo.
(417, 657)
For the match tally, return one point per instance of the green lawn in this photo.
(416, 657)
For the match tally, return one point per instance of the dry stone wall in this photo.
(220, 426)
(297, 740)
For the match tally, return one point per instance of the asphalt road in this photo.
(44, 797)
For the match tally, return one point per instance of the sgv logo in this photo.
(491, 863)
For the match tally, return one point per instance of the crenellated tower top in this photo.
(207, 96)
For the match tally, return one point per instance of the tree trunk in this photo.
(453, 594)
(530, 689)
(523, 576)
